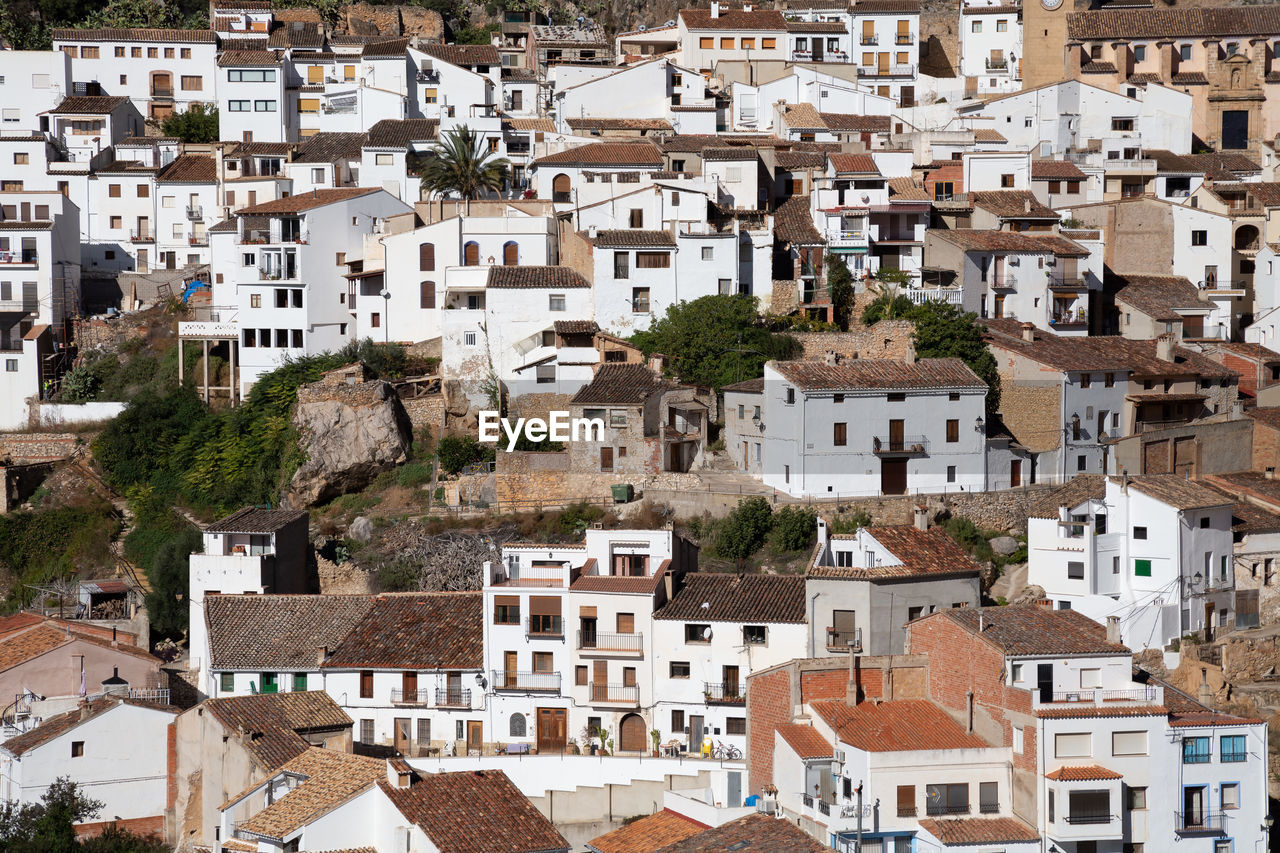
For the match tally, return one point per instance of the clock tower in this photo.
(1044, 41)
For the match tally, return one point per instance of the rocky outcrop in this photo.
(350, 432)
(390, 21)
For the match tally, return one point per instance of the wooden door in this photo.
(745, 454)
(552, 730)
(631, 734)
(600, 681)
(402, 736)
(606, 459)
(999, 305)
(1015, 473)
(471, 255)
(730, 681)
(696, 730)
(409, 686)
(510, 254)
(896, 431)
(475, 736)
(893, 476)
(509, 667)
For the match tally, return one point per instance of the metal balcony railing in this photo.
(718, 693)
(885, 71)
(198, 240)
(997, 64)
(869, 39)
(905, 445)
(839, 639)
(196, 213)
(162, 91)
(1069, 318)
(1139, 694)
(937, 809)
(28, 256)
(143, 236)
(904, 38)
(624, 694)
(410, 697)
(605, 641)
(428, 76)
(1084, 817)
(526, 682)
(544, 626)
(453, 698)
(1208, 823)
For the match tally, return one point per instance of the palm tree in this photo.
(461, 163)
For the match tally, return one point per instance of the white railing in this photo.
(921, 295)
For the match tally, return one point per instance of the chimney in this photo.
(715, 9)
(1045, 603)
(657, 361)
(592, 230)
(831, 357)
(1270, 472)
(1113, 629)
(920, 518)
(1029, 332)
(1202, 293)
(1063, 513)
(909, 356)
(85, 711)
(1164, 347)
(115, 643)
(322, 654)
(1026, 205)
(1124, 481)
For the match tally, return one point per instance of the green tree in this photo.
(745, 529)
(887, 306)
(793, 528)
(198, 124)
(49, 825)
(715, 340)
(840, 283)
(168, 573)
(458, 451)
(127, 14)
(461, 163)
(945, 331)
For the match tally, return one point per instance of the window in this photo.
(366, 684)
(1195, 750)
(636, 218)
(77, 748)
(267, 107)
(694, 633)
(1006, 181)
(1075, 570)
(1019, 741)
(299, 682)
(1230, 796)
(620, 265)
(640, 300)
(1136, 799)
(1142, 568)
(1122, 124)
(754, 635)
(953, 430)
(951, 473)
(517, 724)
(580, 676)
(748, 44)
(677, 721)
(1199, 238)
(116, 222)
(113, 191)
(192, 83)
(144, 191)
(506, 610)
(1139, 533)
(679, 669)
(914, 613)
(153, 53)
(946, 799)
(726, 44)
(1129, 743)
(237, 106)
(468, 339)
(1073, 745)
(988, 798)
(706, 43)
(1232, 749)
(184, 53)
(618, 418)
(1002, 26)
(366, 730)
(427, 294)
(975, 26)
(1184, 52)
(555, 302)
(768, 44)
(841, 436)
(791, 396)
(255, 300)
(735, 726)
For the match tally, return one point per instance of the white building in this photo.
(186, 207)
(32, 82)
(727, 34)
(887, 36)
(384, 160)
(873, 426)
(252, 106)
(991, 45)
(584, 175)
(1155, 551)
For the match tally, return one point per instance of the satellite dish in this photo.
(706, 634)
(643, 27)
(670, 23)
(384, 293)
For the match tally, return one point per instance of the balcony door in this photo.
(453, 688)
(697, 727)
(600, 681)
(1194, 807)
(509, 667)
(730, 682)
(896, 431)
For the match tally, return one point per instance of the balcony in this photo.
(1200, 823)
(198, 240)
(607, 642)
(428, 76)
(837, 237)
(729, 693)
(143, 236)
(1059, 282)
(1151, 694)
(526, 682)
(195, 214)
(905, 445)
(869, 39)
(453, 698)
(801, 55)
(904, 38)
(886, 71)
(614, 694)
(410, 697)
(921, 295)
(1138, 164)
(997, 64)
(1223, 286)
(544, 627)
(162, 91)
(1088, 817)
(839, 641)
(26, 257)
(1069, 318)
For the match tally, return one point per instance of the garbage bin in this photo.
(622, 493)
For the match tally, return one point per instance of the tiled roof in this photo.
(620, 384)
(729, 153)
(1028, 629)
(258, 149)
(576, 327)
(755, 833)
(647, 834)
(733, 19)
(747, 386)
(21, 648)
(540, 276)
(327, 147)
(278, 632)
(1077, 490)
(1223, 163)
(1173, 23)
(1266, 192)
(905, 189)
(608, 123)
(330, 778)
(392, 49)
(1096, 353)
(1247, 518)
(730, 598)
(640, 585)
(880, 7)
(1088, 773)
(1158, 296)
(967, 831)
(988, 134)
(189, 169)
(1011, 204)
(475, 811)
(399, 133)
(415, 631)
(307, 201)
(274, 722)
(1145, 78)
(524, 75)
(877, 373)
(59, 725)
(247, 58)
(853, 123)
(464, 55)
(254, 520)
(305, 34)
(153, 35)
(905, 725)
(792, 223)
(805, 741)
(981, 240)
(642, 154)
(88, 105)
(1177, 491)
(1268, 416)
(1098, 67)
(816, 27)
(1055, 170)
(1084, 712)
(802, 115)
(545, 125)
(921, 554)
(793, 161)
(1189, 78)
(854, 164)
(633, 238)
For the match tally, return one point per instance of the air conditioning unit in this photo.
(839, 756)
(1051, 262)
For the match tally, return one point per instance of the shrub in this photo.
(456, 452)
(794, 528)
(851, 523)
(80, 385)
(744, 530)
(413, 474)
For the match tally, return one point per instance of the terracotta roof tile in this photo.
(1157, 296)
(399, 133)
(535, 276)
(988, 134)
(747, 386)
(647, 834)
(920, 553)
(1173, 23)
(1098, 67)
(645, 585)
(802, 115)
(905, 725)
(906, 189)
(730, 598)
(879, 373)
(463, 55)
(854, 164)
(475, 811)
(1012, 204)
(330, 778)
(278, 632)
(1028, 629)
(793, 161)
(274, 722)
(546, 125)
(20, 648)
(88, 105)
(138, 34)
(1189, 78)
(327, 147)
(1177, 491)
(1088, 773)
(880, 7)
(297, 33)
(817, 27)
(1104, 353)
(1073, 493)
(805, 741)
(981, 240)
(853, 123)
(730, 153)
(639, 154)
(979, 830)
(576, 327)
(1224, 163)
(793, 223)
(733, 19)
(1084, 712)
(633, 238)
(247, 58)
(392, 49)
(255, 520)
(303, 202)
(620, 384)
(753, 833)
(1055, 170)
(608, 123)
(390, 635)
(189, 169)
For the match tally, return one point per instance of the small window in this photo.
(679, 669)
(1230, 796)
(708, 253)
(580, 676)
(1075, 570)
(1199, 238)
(1233, 749)
(468, 339)
(1016, 673)
(1139, 533)
(953, 430)
(1006, 181)
(694, 633)
(366, 684)
(754, 635)
(791, 396)
(841, 436)
(77, 748)
(227, 682)
(1142, 568)
(988, 798)
(1136, 799)
(735, 725)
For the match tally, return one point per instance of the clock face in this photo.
(1051, 4)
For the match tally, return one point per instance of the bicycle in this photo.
(726, 752)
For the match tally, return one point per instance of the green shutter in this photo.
(228, 684)
(1142, 568)
(299, 682)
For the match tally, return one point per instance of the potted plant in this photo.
(656, 736)
(572, 746)
(589, 740)
(606, 744)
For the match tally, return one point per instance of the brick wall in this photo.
(833, 684)
(768, 706)
(147, 827)
(171, 766)
(1266, 447)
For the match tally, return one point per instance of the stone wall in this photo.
(1032, 413)
(784, 298)
(365, 19)
(886, 339)
(426, 412)
(37, 446)
(538, 405)
(547, 478)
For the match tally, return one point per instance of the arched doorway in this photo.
(1246, 237)
(631, 734)
(510, 253)
(560, 188)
